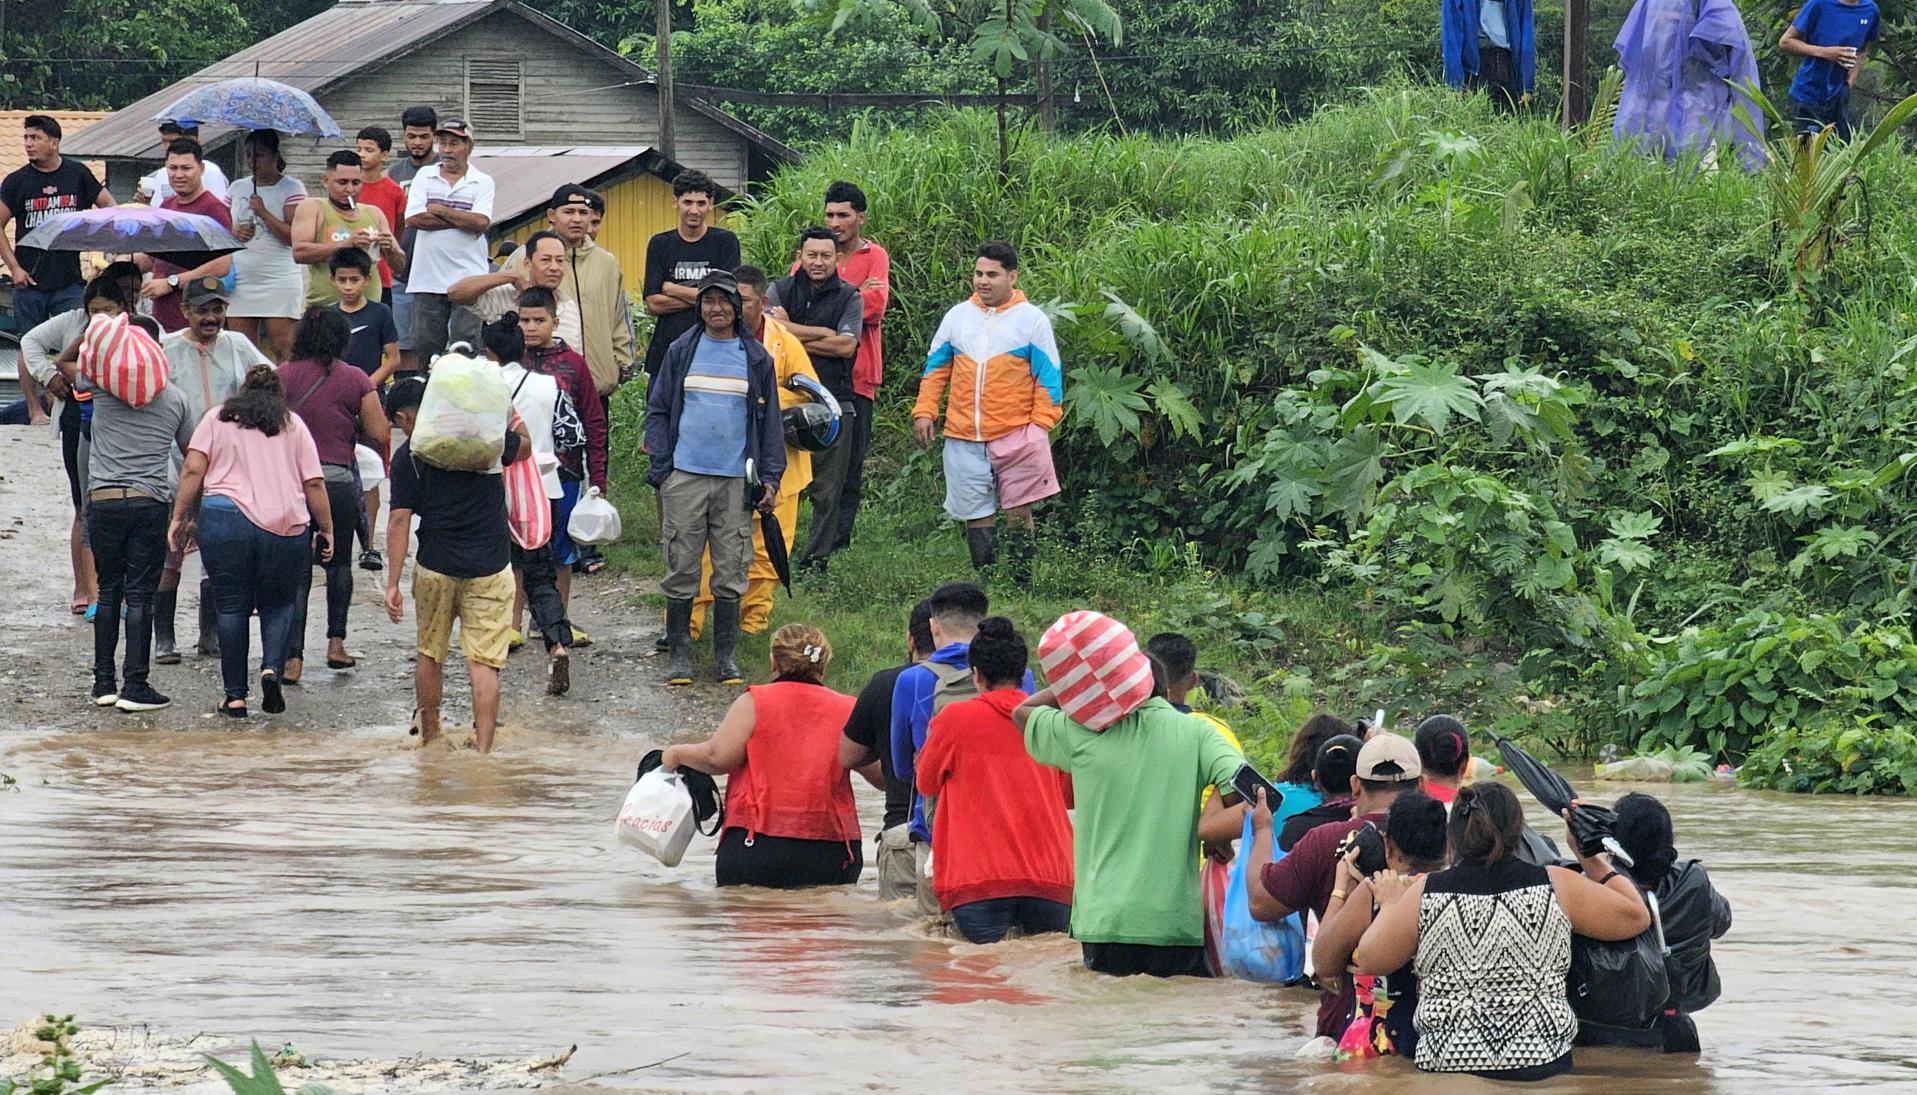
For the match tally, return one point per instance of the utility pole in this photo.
(663, 31)
(1577, 62)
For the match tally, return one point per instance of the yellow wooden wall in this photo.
(637, 208)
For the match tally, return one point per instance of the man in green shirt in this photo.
(1136, 785)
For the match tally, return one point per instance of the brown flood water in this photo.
(310, 880)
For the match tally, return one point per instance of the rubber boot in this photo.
(209, 644)
(678, 640)
(983, 543)
(1020, 546)
(725, 640)
(164, 604)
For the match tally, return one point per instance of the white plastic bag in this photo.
(461, 425)
(657, 817)
(594, 520)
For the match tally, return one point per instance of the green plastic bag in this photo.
(463, 415)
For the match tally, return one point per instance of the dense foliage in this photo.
(1522, 392)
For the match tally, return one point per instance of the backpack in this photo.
(1624, 983)
(955, 683)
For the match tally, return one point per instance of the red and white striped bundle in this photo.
(1095, 668)
(122, 359)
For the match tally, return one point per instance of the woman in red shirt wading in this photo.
(790, 821)
(1001, 845)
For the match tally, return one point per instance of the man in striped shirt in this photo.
(717, 447)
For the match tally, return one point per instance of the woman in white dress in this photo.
(270, 288)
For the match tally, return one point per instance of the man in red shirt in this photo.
(866, 265)
(186, 174)
(1304, 879)
(378, 189)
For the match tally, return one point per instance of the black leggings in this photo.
(786, 863)
(1132, 959)
(345, 502)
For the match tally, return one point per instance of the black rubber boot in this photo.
(1020, 546)
(209, 644)
(164, 605)
(678, 640)
(983, 543)
(725, 641)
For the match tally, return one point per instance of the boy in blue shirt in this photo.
(1831, 36)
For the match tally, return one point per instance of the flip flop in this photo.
(272, 699)
(226, 710)
(347, 662)
(78, 605)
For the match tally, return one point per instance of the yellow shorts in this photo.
(483, 607)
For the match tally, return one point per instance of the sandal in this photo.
(78, 605)
(225, 709)
(347, 662)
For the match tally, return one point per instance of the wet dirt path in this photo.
(449, 918)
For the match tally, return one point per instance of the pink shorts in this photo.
(1022, 464)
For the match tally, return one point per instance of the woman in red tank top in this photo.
(790, 820)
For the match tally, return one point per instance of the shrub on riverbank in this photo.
(1501, 393)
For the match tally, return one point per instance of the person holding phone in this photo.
(264, 515)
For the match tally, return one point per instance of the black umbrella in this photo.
(183, 239)
(1590, 825)
(769, 530)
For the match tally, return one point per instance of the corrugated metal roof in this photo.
(525, 176)
(338, 43)
(13, 155)
(342, 42)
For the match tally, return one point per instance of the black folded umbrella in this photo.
(1590, 825)
(769, 529)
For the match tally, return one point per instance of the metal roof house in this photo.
(519, 77)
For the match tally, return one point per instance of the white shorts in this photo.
(264, 288)
(970, 490)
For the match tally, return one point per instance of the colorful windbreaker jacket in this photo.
(1001, 366)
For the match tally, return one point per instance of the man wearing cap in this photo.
(205, 363)
(712, 423)
(593, 285)
(1307, 878)
(450, 208)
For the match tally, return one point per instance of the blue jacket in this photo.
(665, 399)
(912, 715)
(1458, 41)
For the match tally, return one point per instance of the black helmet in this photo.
(810, 426)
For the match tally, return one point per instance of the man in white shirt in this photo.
(206, 363)
(154, 189)
(450, 207)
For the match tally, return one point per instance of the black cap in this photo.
(456, 126)
(574, 194)
(203, 289)
(717, 279)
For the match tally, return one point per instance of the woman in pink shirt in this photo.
(257, 467)
(339, 406)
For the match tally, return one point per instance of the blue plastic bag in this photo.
(1248, 949)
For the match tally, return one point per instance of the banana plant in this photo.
(1813, 178)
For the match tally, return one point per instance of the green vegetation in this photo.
(265, 1079)
(58, 1072)
(1417, 405)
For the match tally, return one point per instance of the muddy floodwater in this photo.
(311, 880)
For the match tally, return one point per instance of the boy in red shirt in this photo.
(1001, 844)
(378, 189)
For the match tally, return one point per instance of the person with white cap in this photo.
(1314, 871)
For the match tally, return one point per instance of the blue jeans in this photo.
(33, 306)
(250, 568)
(1811, 118)
(988, 921)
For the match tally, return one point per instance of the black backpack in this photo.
(1625, 983)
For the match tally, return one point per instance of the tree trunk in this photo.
(1577, 62)
(663, 29)
(1004, 141)
(1046, 118)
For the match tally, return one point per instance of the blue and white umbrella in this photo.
(249, 102)
(183, 239)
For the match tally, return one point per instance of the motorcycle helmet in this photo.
(812, 426)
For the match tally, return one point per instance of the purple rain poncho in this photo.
(1676, 56)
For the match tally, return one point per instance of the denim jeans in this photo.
(128, 538)
(33, 306)
(537, 570)
(988, 921)
(343, 498)
(1811, 118)
(251, 568)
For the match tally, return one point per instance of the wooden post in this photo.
(1577, 62)
(663, 24)
(1046, 118)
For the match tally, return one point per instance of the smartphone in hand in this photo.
(1246, 781)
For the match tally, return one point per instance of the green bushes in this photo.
(1510, 391)
(1862, 756)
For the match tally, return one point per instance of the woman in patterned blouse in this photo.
(1490, 939)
